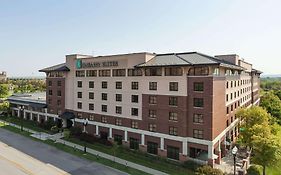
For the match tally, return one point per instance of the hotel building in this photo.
(178, 105)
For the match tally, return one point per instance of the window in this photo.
(173, 71)
(118, 97)
(152, 127)
(152, 85)
(50, 83)
(173, 86)
(226, 97)
(153, 72)
(91, 95)
(173, 131)
(198, 102)
(173, 101)
(91, 84)
(173, 116)
(135, 85)
(134, 72)
(227, 85)
(59, 83)
(135, 111)
(118, 138)
(91, 117)
(173, 152)
(79, 94)
(104, 96)
(134, 124)
(134, 143)
(80, 73)
(91, 73)
(79, 105)
(152, 148)
(118, 122)
(135, 98)
(198, 71)
(58, 102)
(103, 119)
(118, 110)
(91, 106)
(198, 118)
(119, 72)
(152, 113)
(79, 84)
(152, 99)
(104, 73)
(104, 85)
(104, 108)
(118, 85)
(198, 86)
(59, 93)
(198, 133)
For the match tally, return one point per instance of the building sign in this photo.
(80, 64)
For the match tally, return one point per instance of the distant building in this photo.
(3, 76)
(177, 105)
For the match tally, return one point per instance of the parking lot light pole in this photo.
(21, 118)
(85, 123)
(234, 153)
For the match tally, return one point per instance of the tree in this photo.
(4, 90)
(272, 104)
(207, 170)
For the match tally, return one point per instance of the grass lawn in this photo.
(77, 152)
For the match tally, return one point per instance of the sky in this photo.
(37, 34)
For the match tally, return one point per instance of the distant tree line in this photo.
(25, 85)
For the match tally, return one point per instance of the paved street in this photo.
(21, 156)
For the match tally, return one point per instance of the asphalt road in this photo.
(20, 156)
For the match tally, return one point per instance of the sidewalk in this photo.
(57, 138)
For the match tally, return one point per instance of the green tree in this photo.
(207, 170)
(272, 104)
(4, 90)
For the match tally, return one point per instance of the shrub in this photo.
(254, 170)
(207, 170)
(47, 125)
(191, 165)
(75, 131)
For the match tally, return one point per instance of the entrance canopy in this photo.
(67, 115)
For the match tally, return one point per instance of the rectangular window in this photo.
(91, 106)
(152, 85)
(50, 83)
(119, 72)
(198, 118)
(135, 85)
(118, 85)
(104, 96)
(173, 152)
(173, 71)
(135, 98)
(118, 122)
(173, 116)
(104, 73)
(226, 97)
(59, 83)
(118, 138)
(134, 72)
(118, 97)
(79, 94)
(173, 101)
(118, 110)
(199, 86)
(134, 111)
(103, 119)
(152, 113)
(134, 143)
(79, 84)
(173, 131)
(197, 133)
(104, 84)
(152, 148)
(198, 102)
(58, 102)
(80, 73)
(50, 92)
(104, 108)
(79, 105)
(152, 127)
(153, 72)
(91, 84)
(91, 117)
(173, 86)
(152, 99)
(59, 93)
(91, 95)
(91, 73)
(134, 124)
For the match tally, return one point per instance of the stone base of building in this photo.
(162, 153)
(143, 148)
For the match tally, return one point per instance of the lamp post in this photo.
(234, 152)
(22, 115)
(85, 123)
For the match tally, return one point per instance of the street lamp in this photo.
(22, 115)
(234, 153)
(85, 123)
